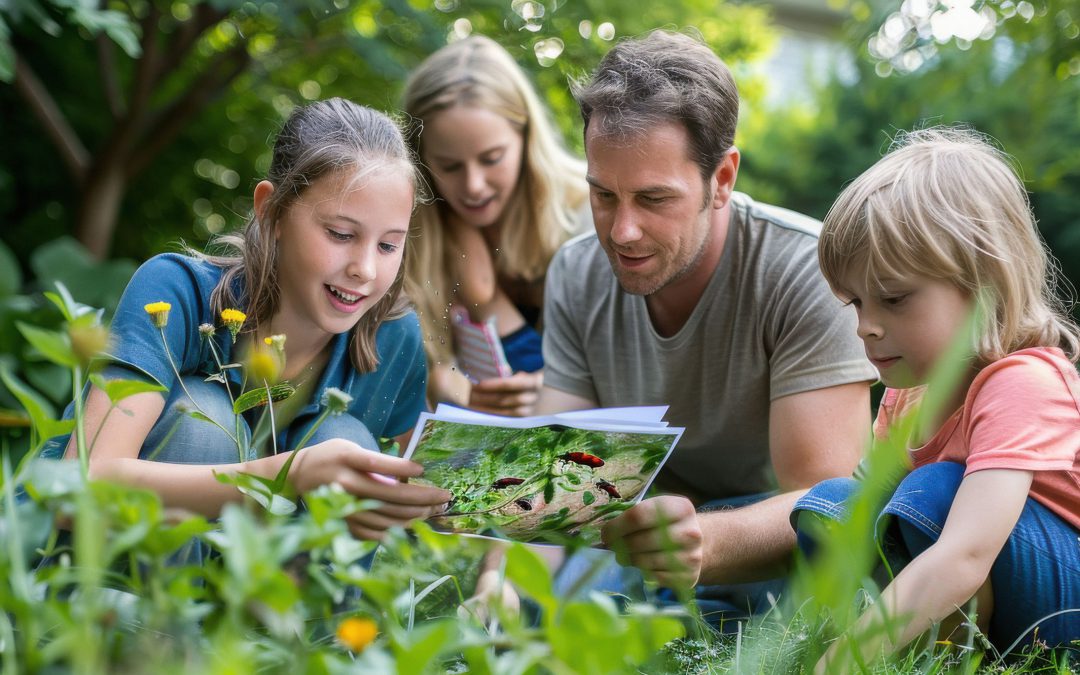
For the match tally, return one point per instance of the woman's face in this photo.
(475, 160)
(339, 249)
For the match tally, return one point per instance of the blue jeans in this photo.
(723, 606)
(179, 438)
(1036, 574)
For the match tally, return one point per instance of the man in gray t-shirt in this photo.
(692, 295)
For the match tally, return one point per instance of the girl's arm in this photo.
(945, 576)
(364, 473)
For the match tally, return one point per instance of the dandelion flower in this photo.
(336, 400)
(234, 320)
(207, 330)
(159, 313)
(277, 342)
(263, 366)
(88, 341)
(356, 633)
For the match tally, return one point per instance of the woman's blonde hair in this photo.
(539, 215)
(946, 203)
(334, 137)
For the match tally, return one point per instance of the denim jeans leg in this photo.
(1036, 574)
(179, 438)
(827, 502)
(339, 426)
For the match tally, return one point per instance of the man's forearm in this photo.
(751, 543)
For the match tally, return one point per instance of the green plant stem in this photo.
(93, 441)
(80, 427)
(180, 381)
(240, 451)
(311, 432)
(273, 425)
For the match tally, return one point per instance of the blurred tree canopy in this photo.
(1009, 84)
(133, 124)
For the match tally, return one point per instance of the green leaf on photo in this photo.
(587, 498)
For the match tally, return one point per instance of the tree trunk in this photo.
(100, 199)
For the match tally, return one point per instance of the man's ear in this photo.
(262, 194)
(726, 173)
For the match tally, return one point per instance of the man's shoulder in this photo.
(776, 218)
(581, 262)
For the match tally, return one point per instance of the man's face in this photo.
(652, 210)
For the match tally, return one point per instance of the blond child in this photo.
(991, 508)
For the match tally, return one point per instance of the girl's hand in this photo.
(368, 475)
(515, 396)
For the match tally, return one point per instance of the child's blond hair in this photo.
(945, 203)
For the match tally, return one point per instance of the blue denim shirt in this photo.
(387, 400)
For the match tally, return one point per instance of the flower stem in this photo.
(180, 381)
(80, 427)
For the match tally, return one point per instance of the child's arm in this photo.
(946, 575)
(361, 472)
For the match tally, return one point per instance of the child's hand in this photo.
(660, 536)
(492, 592)
(515, 396)
(368, 475)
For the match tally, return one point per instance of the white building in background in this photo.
(809, 48)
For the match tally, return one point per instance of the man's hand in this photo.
(515, 396)
(660, 536)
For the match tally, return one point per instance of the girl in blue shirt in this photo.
(320, 262)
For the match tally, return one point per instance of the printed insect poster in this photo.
(540, 480)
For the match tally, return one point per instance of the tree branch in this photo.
(44, 107)
(148, 64)
(164, 127)
(107, 67)
(189, 33)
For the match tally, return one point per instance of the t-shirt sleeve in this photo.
(565, 365)
(1023, 415)
(812, 334)
(412, 370)
(136, 344)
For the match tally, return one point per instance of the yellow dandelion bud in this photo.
(277, 342)
(159, 313)
(88, 342)
(234, 320)
(263, 366)
(356, 634)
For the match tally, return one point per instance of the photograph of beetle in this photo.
(547, 483)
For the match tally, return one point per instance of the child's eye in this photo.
(387, 248)
(338, 236)
(895, 300)
(449, 168)
(492, 160)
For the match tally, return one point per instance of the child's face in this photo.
(475, 160)
(905, 324)
(339, 250)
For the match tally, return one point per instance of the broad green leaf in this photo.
(423, 645)
(118, 390)
(257, 397)
(50, 379)
(587, 497)
(530, 573)
(53, 345)
(43, 425)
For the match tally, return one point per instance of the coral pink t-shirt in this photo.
(1021, 412)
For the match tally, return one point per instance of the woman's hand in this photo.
(368, 475)
(515, 396)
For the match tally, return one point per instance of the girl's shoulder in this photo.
(171, 268)
(1029, 369)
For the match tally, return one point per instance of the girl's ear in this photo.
(262, 195)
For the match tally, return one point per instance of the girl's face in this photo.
(339, 249)
(905, 324)
(475, 160)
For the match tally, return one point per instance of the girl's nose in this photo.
(474, 180)
(362, 265)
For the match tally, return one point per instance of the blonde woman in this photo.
(509, 195)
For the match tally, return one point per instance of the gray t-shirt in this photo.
(766, 326)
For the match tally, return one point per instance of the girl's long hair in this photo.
(328, 138)
(946, 203)
(539, 215)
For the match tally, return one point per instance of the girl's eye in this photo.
(449, 168)
(895, 300)
(338, 236)
(388, 248)
(492, 160)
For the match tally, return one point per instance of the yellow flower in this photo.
(88, 342)
(356, 633)
(263, 366)
(159, 313)
(234, 320)
(277, 342)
